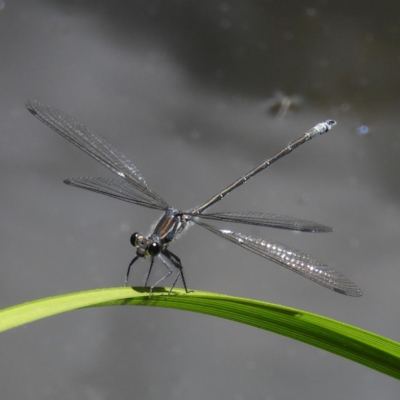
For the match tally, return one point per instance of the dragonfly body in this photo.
(170, 226)
(132, 187)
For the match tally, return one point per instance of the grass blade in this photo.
(356, 344)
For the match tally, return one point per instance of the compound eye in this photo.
(154, 249)
(135, 239)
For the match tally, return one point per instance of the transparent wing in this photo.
(269, 220)
(292, 259)
(117, 188)
(92, 144)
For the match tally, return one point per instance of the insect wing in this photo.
(292, 259)
(118, 189)
(268, 220)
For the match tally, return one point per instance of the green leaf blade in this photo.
(356, 344)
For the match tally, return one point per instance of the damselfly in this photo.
(132, 187)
